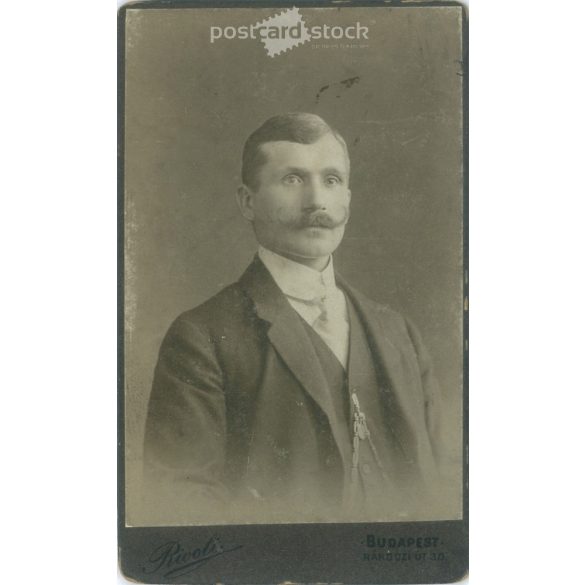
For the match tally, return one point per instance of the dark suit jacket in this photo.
(240, 427)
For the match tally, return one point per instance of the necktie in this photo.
(331, 324)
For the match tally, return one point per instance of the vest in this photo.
(368, 486)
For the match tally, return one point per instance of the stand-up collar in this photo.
(297, 280)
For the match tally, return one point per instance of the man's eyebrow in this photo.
(297, 170)
(302, 172)
(333, 171)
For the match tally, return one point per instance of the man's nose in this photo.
(315, 195)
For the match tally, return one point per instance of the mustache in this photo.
(320, 219)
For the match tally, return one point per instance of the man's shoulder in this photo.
(223, 307)
(233, 308)
(371, 307)
(390, 324)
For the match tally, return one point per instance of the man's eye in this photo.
(332, 180)
(292, 180)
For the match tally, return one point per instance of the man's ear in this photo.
(245, 202)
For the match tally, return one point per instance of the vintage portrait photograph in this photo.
(243, 349)
(294, 265)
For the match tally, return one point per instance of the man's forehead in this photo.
(325, 152)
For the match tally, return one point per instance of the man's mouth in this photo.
(317, 227)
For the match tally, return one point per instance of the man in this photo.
(289, 396)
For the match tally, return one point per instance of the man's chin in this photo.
(319, 244)
(309, 252)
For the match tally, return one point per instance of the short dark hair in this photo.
(299, 127)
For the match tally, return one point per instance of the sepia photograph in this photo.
(294, 265)
(302, 196)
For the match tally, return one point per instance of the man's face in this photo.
(301, 205)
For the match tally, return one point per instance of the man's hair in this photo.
(299, 127)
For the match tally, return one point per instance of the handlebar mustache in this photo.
(321, 219)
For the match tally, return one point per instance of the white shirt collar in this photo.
(297, 280)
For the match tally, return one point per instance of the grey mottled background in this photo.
(189, 107)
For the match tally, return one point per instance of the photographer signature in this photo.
(176, 560)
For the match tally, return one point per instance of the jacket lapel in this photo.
(289, 338)
(399, 382)
(385, 349)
